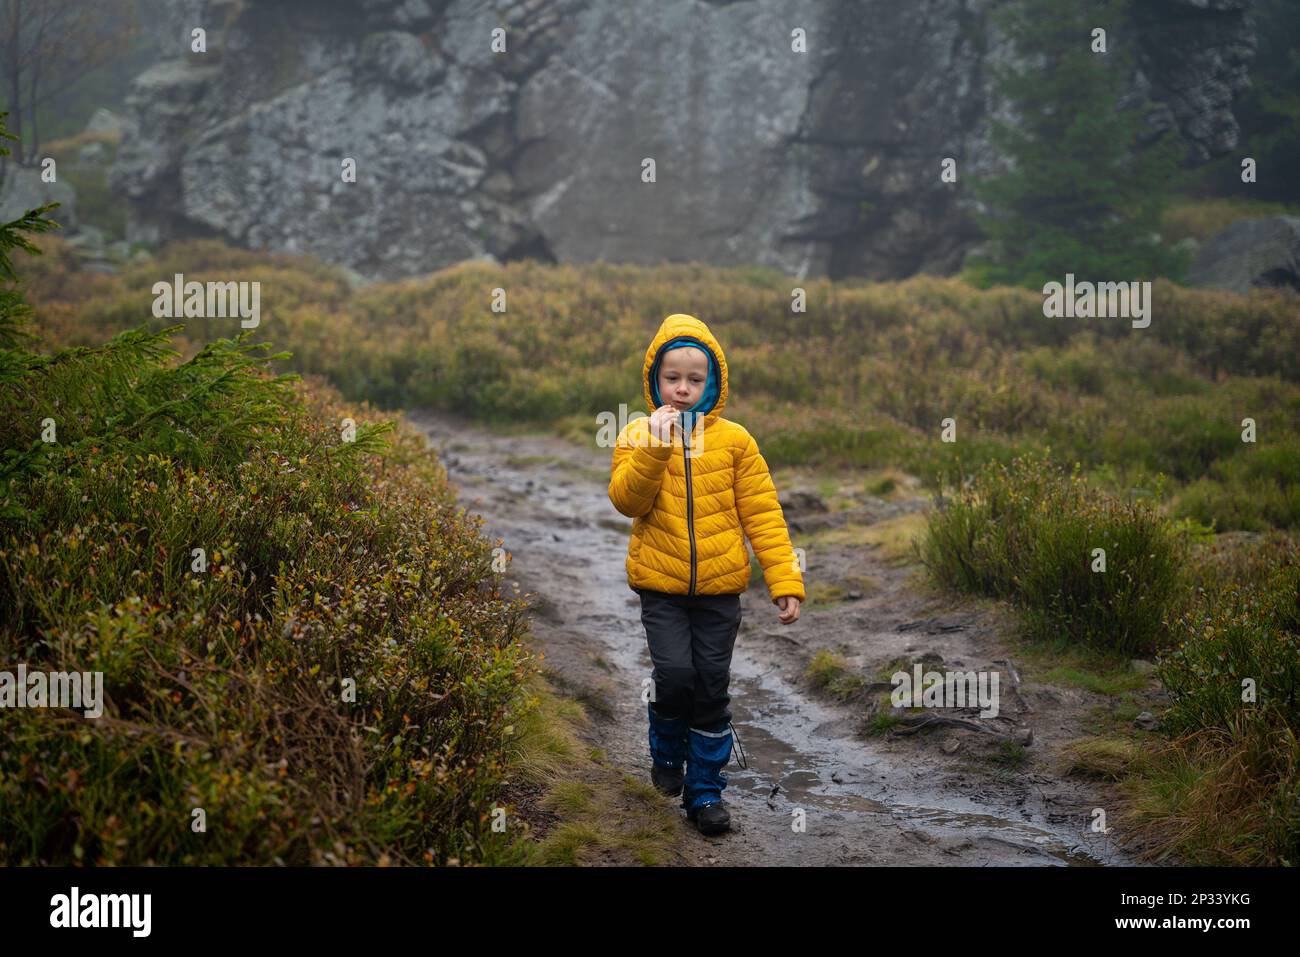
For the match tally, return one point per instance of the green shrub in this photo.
(328, 562)
(1226, 789)
(1244, 626)
(1026, 532)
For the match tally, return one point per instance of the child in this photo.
(693, 483)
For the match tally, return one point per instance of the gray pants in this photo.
(690, 640)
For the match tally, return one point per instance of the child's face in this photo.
(683, 374)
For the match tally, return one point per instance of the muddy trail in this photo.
(938, 796)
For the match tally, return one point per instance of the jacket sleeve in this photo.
(637, 470)
(764, 524)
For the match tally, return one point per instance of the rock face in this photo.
(822, 162)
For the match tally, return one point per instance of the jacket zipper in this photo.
(690, 507)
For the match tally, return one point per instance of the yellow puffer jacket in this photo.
(690, 501)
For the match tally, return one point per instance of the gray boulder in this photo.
(106, 121)
(23, 190)
(1249, 254)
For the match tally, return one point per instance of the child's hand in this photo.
(789, 609)
(661, 423)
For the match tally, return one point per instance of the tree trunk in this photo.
(15, 92)
(36, 75)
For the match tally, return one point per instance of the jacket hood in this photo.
(679, 328)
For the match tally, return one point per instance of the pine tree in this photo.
(121, 398)
(15, 313)
(1268, 112)
(1082, 197)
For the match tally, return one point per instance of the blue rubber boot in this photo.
(707, 754)
(667, 751)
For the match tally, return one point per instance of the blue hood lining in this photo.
(712, 387)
